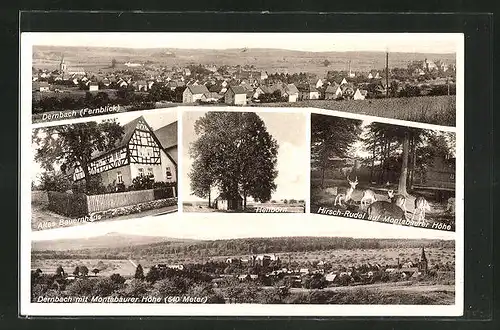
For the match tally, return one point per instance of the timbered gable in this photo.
(143, 146)
(106, 162)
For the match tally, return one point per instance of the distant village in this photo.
(132, 83)
(270, 270)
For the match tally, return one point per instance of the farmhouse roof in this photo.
(197, 89)
(332, 88)
(291, 89)
(167, 135)
(266, 89)
(128, 131)
(237, 89)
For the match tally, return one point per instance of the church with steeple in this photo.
(423, 265)
(66, 71)
(62, 67)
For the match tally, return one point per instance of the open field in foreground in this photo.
(439, 110)
(397, 293)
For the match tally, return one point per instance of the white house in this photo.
(360, 94)
(319, 83)
(343, 82)
(193, 93)
(292, 93)
(236, 95)
(330, 277)
(93, 86)
(41, 86)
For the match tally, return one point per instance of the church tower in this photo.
(62, 66)
(423, 266)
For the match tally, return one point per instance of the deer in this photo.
(399, 200)
(345, 194)
(381, 209)
(421, 205)
(368, 198)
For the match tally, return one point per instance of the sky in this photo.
(289, 129)
(314, 42)
(154, 119)
(226, 226)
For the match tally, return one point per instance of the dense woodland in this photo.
(243, 246)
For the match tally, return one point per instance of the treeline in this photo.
(123, 97)
(243, 246)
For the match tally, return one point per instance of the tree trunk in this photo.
(414, 164)
(86, 173)
(322, 177)
(244, 200)
(209, 198)
(404, 167)
(373, 162)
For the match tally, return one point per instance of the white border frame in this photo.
(50, 309)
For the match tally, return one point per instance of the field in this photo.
(345, 257)
(272, 60)
(251, 207)
(394, 293)
(125, 268)
(440, 110)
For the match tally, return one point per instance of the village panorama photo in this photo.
(403, 76)
(236, 161)
(116, 168)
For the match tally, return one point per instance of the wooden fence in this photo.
(77, 205)
(104, 202)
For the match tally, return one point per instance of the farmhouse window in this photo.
(150, 171)
(141, 171)
(169, 173)
(119, 177)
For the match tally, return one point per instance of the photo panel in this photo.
(91, 74)
(227, 174)
(365, 169)
(241, 161)
(192, 266)
(112, 168)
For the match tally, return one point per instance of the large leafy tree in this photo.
(234, 153)
(72, 145)
(331, 137)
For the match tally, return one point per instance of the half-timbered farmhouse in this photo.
(140, 152)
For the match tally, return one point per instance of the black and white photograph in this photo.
(252, 162)
(116, 168)
(266, 263)
(368, 170)
(404, 76)
(232, 174)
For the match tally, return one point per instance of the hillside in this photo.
(240, 246)
(272, 60)
(108, 241)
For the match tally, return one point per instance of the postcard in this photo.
(242, 174)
